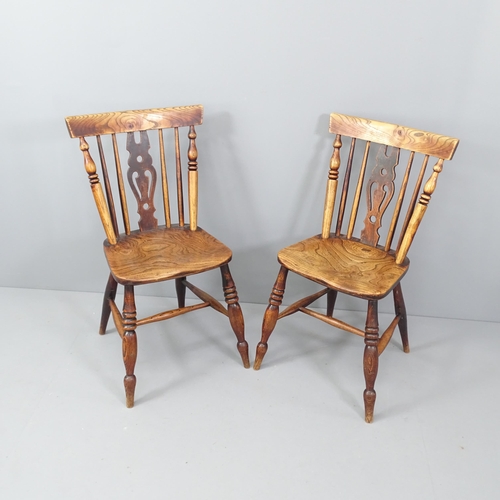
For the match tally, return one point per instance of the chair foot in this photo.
(129, 382)
(271, 315)
(235, 314)
(129, 344)
(243, 350)
(400, 308)
(109, 294)
(369, 399)
(370, 359)
(259, 355)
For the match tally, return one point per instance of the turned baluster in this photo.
(399, 202)
(193, 179)
(413, 201)
(271, 315)
(419, 212)
(331, 187)
(129, 344)
(370, 358)
(235, 314)
(97, 191)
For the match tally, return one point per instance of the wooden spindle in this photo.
(413, 201)
(399, 202)
(121, 186)
(345, 188)
(355, 204)
(107, 185)
(180, 198)
(331, 187)
(193, 179)
(164, 181)
(97, 191)
(419, 212)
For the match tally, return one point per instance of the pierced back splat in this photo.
(379, 192)
(142, 179)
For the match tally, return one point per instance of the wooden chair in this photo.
(152, 253)
(360, 265)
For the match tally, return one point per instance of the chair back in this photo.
(127, 134)
(384, 147)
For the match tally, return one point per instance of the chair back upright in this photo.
(384, 143)
(128, 131)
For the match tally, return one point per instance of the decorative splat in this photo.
(379, 192)
(142, 179)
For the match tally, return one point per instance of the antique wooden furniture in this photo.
(153, 252)
(364, 263)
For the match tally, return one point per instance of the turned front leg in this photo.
(129, 344)
(271, 315)
(370, 358)
(235, 314)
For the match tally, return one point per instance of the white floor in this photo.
(205, 428)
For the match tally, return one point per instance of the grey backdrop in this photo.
(268, 73)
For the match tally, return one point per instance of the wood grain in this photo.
(161, 254)
(397, 136)
(133, 121)
(345, 265)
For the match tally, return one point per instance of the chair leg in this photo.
(271, 315)
(235, 314)
(400, 308)
(109, 294)
(331, 297)
(129, 344)
(180, 289)
(370, 358)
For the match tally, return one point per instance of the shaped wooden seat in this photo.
(165, 253)
(154, 252)
(341, 264)
(351, 259)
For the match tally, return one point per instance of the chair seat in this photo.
(164, 253)
(345, 265)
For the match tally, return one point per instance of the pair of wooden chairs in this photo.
(349, 259)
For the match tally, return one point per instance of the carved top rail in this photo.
(133, 121)
(396, 136)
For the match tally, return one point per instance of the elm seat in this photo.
(349, 257)
(164, 255)
(345, 265)
(158, 250)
